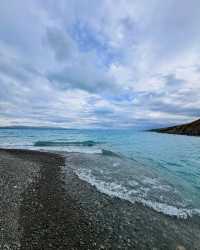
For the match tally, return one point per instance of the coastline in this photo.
(46, 206)
(189, 129)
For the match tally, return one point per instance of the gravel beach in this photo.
(44, 205)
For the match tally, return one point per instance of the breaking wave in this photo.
(117, 190)
(65, 143)
(109, 153)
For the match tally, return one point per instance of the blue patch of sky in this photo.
(128, 96)
(88, 40)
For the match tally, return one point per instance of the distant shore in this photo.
(46, 206)
(190, 129)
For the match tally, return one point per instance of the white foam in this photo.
(165, 188)
(151, 181)
(116, 164)
(133, 183)
(114, 189)
(156, 184)
(74, 149)
(111, 189)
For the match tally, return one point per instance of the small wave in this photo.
(117, 190)
(65, 143)
(110, 153)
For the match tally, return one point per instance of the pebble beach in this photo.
(44, 205)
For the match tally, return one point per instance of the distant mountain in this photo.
(192, 128)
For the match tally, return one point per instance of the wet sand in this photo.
(44, 205)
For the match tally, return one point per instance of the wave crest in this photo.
(110, 153)
(117, 190)
(65, 143)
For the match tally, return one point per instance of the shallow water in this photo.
(160, 170)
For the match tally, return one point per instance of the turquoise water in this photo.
(160, 170)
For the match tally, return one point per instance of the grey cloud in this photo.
(81, 70)
(172, 81)
(175, 105)
(84, 78)
(175, 109)
(61, 44)
(172, 26)
(22, 72)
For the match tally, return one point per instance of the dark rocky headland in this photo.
(44, 206)
(192, 129)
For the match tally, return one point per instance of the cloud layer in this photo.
(83, 64)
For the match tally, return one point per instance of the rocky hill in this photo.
(192, 128)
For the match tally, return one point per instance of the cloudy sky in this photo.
(108, 63)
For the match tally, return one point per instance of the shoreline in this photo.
(51, 208)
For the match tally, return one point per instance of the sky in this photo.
(99, 64)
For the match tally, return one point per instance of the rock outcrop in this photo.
(192, 129)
